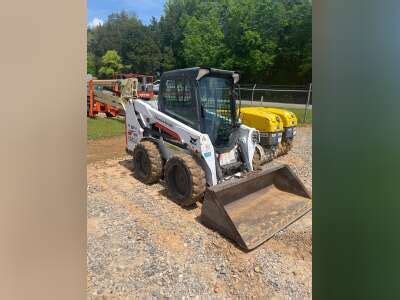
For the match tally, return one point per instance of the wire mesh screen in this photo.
(179, 102)
(217, 108)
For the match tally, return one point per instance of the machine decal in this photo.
(168, 131)
(193, 141)
(132, 136)
(207, 154)
(227, 157)
(165, 122)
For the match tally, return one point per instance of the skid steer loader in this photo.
(192, 139)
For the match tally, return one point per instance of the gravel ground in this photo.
(141, 244)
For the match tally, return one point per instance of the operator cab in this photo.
(204, 99)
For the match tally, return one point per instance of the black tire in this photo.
(185, 179)
(147, 162)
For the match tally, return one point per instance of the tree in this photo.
(268, 41)
(203, 43)
(293, 62)
(111, 64)
(168, 60)
(91, 64)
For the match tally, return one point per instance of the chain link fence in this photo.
(286, 96)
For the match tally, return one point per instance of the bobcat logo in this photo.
(193, 141)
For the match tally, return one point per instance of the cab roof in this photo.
(199, 72)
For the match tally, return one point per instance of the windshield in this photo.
(217, 109)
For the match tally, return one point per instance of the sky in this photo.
(99, 10)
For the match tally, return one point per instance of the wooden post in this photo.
(91, 98)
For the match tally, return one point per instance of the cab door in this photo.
(178, 101)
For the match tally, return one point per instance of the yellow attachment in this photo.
(260, 119)
(289, 119)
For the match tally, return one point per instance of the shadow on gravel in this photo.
(165, 194)
(127, 163)
(198, 220)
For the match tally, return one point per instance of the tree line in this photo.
(268, 41)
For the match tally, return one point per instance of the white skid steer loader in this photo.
(191, 137)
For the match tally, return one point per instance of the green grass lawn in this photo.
(300, 115)
(104, 127)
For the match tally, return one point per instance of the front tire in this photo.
(185, 179)
(147, 162)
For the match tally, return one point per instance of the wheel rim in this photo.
(180, 180)
(257, 158)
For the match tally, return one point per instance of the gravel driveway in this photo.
(142, 244)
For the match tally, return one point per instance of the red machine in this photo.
(95, 104)
(145, 90)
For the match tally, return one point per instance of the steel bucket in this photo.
(252, 209)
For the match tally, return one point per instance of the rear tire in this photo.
(185, 179)
(147, 162)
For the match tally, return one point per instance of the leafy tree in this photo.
(168, 61)
(203, 42)
(268, 41)
(295, 43)
(91, 65)
(111, 64)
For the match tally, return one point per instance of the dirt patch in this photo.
(102, 149)
(142, 244)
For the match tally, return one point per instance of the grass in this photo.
(299, 112)
(104, 127)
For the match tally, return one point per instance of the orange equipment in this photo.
(145, 90)
(95, 104)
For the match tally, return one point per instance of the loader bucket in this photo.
(252, 209)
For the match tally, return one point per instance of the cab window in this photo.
(179, 102)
